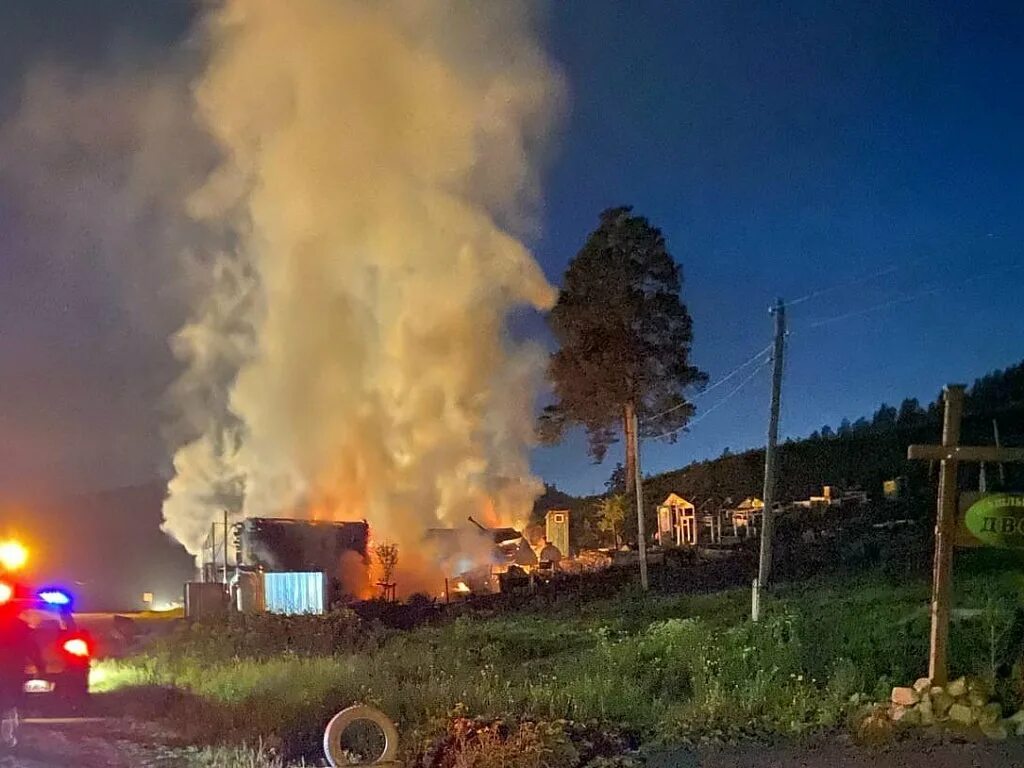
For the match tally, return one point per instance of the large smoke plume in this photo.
(350, 358)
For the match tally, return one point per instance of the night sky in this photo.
(871, 150)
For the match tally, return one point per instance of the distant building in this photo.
(895, 488)
(746, 517)
(557, 529)
(677, 523)
(831, 498)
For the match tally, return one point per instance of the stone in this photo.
(1017, 717)
(875, 729)
(924, 712)
(980, 686)
(995, 731)
(905, 715)
(905, 697)
(922, 684)
(957, 688)
(977, 699)
(989, 714)
(962, 714)
(941, 702)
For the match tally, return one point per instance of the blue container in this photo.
(292, 593)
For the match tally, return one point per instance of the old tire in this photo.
(340, 723)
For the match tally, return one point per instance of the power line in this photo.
(928, 291)
(714, 386)
(892, 268)
(728, 396)
(842, 286)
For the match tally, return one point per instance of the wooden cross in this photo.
(950, 454)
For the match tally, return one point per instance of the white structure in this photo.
(677, 522)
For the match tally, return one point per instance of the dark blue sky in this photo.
(789, 147)
(783, 148)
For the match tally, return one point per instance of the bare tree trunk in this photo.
(627, 431)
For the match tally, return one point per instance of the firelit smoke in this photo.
(378, 163)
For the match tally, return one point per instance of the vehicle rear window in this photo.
(46, 625)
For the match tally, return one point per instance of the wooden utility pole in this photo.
(770, 461)
(225, 546)
(1002, 469)
(213, 555)
(640, 527)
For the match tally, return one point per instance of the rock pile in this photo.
(963, 704)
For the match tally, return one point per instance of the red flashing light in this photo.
(76, 646)
(6, 592)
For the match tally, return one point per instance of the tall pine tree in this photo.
(624, 339)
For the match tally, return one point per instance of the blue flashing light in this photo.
(55, 597)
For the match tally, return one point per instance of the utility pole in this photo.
(641, 533)
(770, 463)
(212, 573)
(225, 546)
(1002, 469)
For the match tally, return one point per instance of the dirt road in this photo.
(90, 743)
(837, 754)
(113, 743)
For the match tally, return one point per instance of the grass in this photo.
(665, 668)
(226, 757)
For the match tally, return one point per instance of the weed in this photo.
(666, 668)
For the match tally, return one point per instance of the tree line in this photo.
(996, 390)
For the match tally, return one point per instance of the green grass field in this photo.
(666, 669)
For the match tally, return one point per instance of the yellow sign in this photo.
(995, 520)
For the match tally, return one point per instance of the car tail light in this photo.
(76, 646)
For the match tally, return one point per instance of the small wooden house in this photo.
(677, 522)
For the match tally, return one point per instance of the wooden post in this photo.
(225, 547)
(640, 527)
(945, 531)
(949, 455)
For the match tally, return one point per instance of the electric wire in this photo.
(891, 269)
(840, 286)
(726, 398)
(711, 388)
(914, 295)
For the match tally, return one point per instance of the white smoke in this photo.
(351, 359)
(94, 167)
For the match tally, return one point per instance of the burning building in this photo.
(339, 550)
